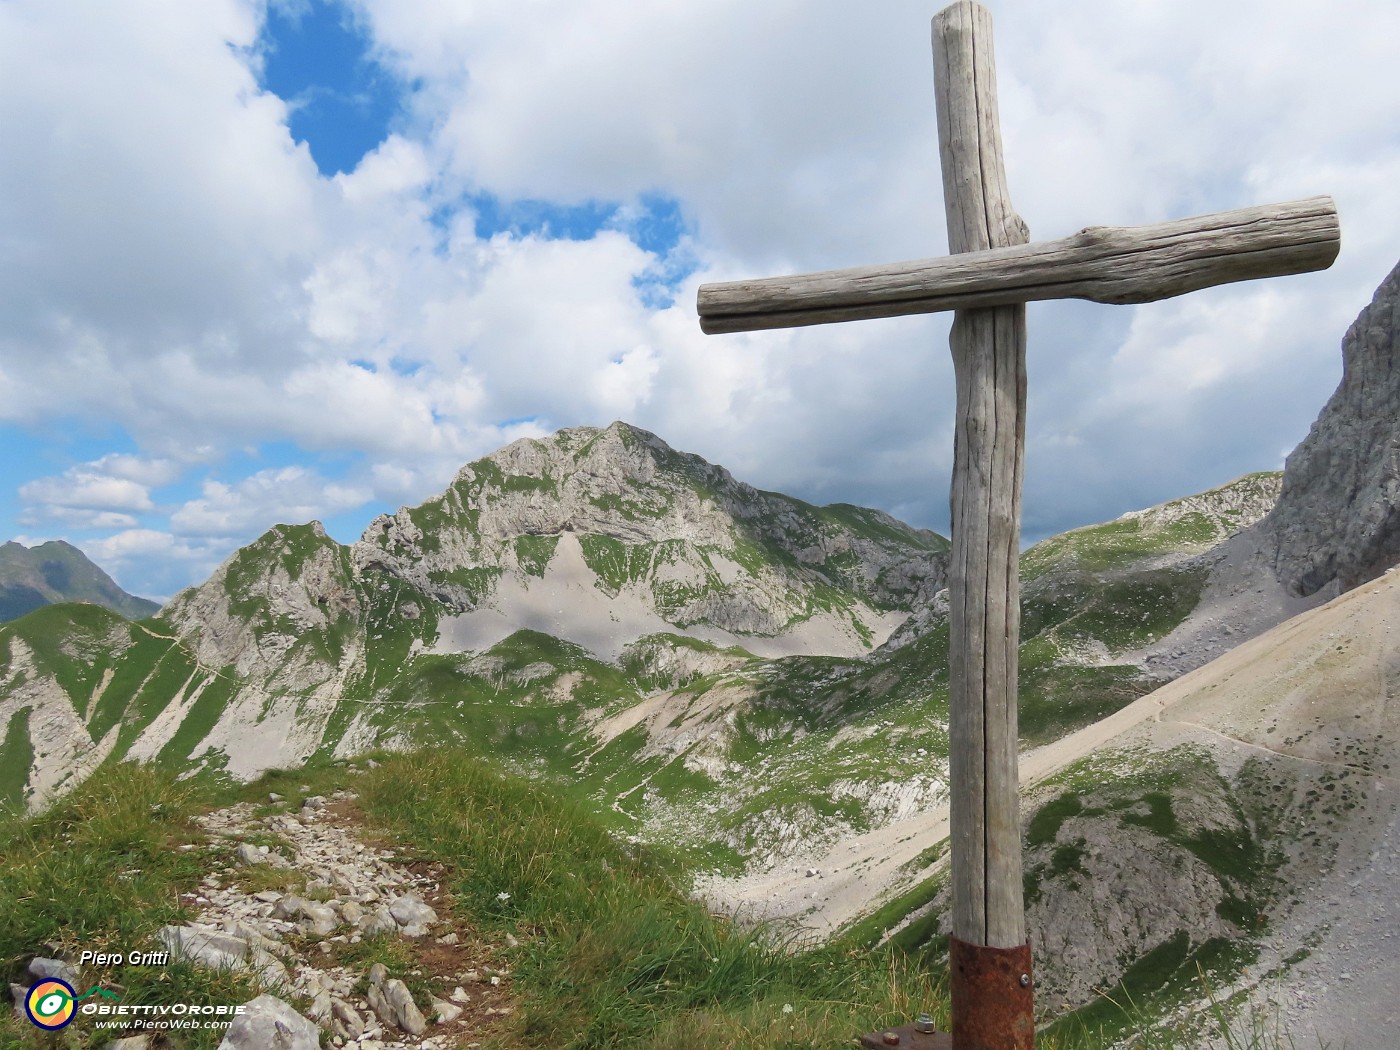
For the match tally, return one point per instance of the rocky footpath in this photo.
(313, 941)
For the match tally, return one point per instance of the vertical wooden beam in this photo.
(989, 355)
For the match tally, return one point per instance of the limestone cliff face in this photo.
(1337, 522)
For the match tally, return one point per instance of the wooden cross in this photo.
(988, 279)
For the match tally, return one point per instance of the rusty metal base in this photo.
(906, 1038)
(993, 997)
(993, 1004)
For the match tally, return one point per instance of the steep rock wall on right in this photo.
(1337, 521)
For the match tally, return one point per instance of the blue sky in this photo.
(266, 262)
(319, 58)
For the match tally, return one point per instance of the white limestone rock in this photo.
(43, 969)
(319, 920)
(411, 910)
(378, 923)
(346, 1021)
(270, 1024)
(222, 951)
(444, 1012)
(403, 1012)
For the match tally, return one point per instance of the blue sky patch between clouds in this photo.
(342, 102)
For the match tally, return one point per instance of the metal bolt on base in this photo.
(907, 1037)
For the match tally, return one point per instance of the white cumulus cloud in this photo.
(175, 267)
(290, 495)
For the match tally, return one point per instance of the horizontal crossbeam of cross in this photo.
(1105, 264)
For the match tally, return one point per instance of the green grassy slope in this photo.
(116, 675)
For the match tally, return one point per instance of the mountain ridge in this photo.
(658, 564)
(299, 645)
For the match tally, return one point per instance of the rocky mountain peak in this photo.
(620, 481)
(617, 451)
(291, 580)
(670, 541)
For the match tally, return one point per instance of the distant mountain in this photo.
(615, 560)
(53, 572)
(603, 536)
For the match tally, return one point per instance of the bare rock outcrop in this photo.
(1337, 521)
(1109, 888)
(251, 613)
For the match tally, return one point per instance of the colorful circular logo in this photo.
(50, 1003)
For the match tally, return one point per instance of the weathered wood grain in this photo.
(1105, 264)
(989, 358)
